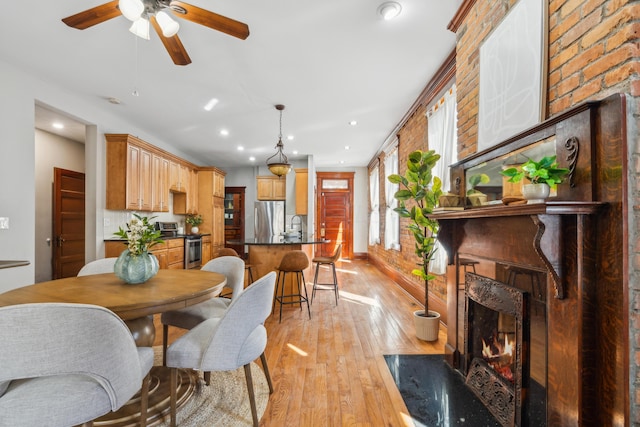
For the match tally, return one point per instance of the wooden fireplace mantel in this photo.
(577, 240)
(546, 244)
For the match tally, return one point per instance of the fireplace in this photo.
(497, 346)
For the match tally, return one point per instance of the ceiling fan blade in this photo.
(212, 20)
(93, 16)
(173, 45)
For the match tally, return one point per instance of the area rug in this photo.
(435, 394)
(225, 402)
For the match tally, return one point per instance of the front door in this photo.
(68, 223)
(335, 212)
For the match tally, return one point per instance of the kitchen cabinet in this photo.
(160, 183)
(234, 217)
(113, 248)
(129, 181)
(302, 191)
(179, 175)
(175, 253)
(211, 206)
(186, 202)
(206, 249)
(271, 187)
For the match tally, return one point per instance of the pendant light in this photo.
(278, 163)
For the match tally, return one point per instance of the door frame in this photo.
(349, 176)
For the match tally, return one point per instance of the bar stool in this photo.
(331, 261)
(247, 267)
(292, 262)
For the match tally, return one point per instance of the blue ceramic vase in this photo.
(136, 269)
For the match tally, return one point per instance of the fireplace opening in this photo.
(497, 351)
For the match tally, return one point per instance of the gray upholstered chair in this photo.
(67, 364)
(228, 342)
(187, 318)
(99, 266)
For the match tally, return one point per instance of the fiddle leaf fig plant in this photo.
(421, 189)
(545, 170)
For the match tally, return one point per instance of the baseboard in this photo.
(412, 288)
(363, 256)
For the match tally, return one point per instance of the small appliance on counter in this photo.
(192, 243)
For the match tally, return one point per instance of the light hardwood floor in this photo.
(329, 370)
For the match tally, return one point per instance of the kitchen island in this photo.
(265, 253)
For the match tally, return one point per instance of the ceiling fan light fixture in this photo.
(140, 28)
(278, 163)
(169, 26)
(389, 10)
(131, 9)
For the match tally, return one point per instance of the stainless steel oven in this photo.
(192, 251)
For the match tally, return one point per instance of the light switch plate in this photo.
(4, 223)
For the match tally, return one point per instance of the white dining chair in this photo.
(98, 266)
(66, 364)
(189, 317)
(226, 343)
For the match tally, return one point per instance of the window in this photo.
(374, 203)
(392, 219)
(443, 138)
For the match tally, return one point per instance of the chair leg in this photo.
(315, 282)
(335, 281)
(284, 275)
(306, 295)
(144, 400)
(207, 378)
(174, 397)
(252, 397)
(265, 367)
(165, 338)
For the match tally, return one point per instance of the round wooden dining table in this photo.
(136, 305)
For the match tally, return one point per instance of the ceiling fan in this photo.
(143, 12)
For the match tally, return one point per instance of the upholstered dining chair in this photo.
(228, 342)
(66, 364)
(98, 266)
(187, 318)
(232, 252)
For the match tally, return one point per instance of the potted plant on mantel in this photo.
(543, 175)
(477, 197)
(424, 189)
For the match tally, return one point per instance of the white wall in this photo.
(51, 151)
(20, 91)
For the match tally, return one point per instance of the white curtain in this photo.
(374, 200)
(443, 138)
(392, 219)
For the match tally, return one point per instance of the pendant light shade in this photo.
(131, 9)
(278, 163)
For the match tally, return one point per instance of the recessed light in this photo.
(252, 159)
(224, 132)
(346, 147)
(341, 162)
(212, 103)
(353, 122)
(389, 10)
(294, 152)
(240, 148)
(58, 125)
(290, 137)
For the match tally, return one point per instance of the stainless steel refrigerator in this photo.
(269, 219)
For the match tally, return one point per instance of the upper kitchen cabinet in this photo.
(140, 177)
(302, 191)
(271, 188)
(129, 177)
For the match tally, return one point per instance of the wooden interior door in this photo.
(335, 212)
(68, 223)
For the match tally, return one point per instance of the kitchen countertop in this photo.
(11, 264)
(279, 240)
(179, 236)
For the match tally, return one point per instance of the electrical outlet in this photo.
(107, 222)
(4, 223)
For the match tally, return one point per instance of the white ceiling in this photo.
(329, 62)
